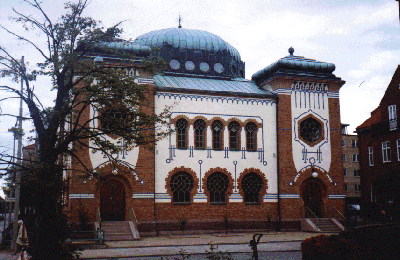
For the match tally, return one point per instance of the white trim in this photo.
(386, 155)
(371, 156)
(143, 196)
(81, 196)
(337, 196)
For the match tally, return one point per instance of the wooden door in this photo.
(112, 201)
(312, 197)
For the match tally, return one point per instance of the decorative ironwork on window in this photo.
(234, 135)
(199, 134)
(310, 130)
(217, 129)
(251, 137)
(181, 134)
(252, 185)
(181, 186)
(217, 185)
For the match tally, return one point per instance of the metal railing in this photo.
(305, 214)
(340, 213)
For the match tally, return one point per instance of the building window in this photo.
(217, 129)
(386, 151)
(181, 134)
(310, 130)
(112, 119)
(199, 134)
(344, 158)
(371, 156)
(398, 149)
(345, 172)
(217, 186)
(355, 157)
(251, 137)
(181, 186)
(234, 136)
(392, 117)
(252, 185)
(346, 187)
(356, 173)
(357, 187)
(354, 143)
(343, 143)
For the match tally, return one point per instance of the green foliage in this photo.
(79, 84)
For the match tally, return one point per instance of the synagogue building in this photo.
(242, 152)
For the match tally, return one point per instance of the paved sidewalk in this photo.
(198, 244)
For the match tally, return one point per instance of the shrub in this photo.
(330, 248)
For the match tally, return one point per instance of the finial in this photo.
(291, 51)
(179, 26)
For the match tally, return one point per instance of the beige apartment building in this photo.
(351, 166)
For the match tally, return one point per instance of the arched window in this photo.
(251, 137)
(252, 185)
(199, 134)
(181, 186)
(217, 129)
(181, 133)
(234, 136)
(217, 185)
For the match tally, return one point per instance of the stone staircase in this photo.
(119, 231)
(323, 225)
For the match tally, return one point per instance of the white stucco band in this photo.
(262, 111)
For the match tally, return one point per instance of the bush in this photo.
(330, 248)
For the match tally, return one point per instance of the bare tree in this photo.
(79, 84)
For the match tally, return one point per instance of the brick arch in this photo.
(182, 169)
(173, 120)
(324, 195)
(251, 120)
(230, 184)
(224, 123)
(259, 173)
(235, 119)
(124, 175)
(322, 178)
(207, 121)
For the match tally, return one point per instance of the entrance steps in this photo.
(322, 225)
(119, 231)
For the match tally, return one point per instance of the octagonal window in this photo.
(310, 130)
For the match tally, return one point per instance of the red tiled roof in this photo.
(31, 146)
(373, 119)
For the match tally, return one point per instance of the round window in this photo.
(175, 64)
(189, 65)
(310, 130)
(204, 66)
(218, 67)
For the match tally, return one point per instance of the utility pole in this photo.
(19, 161)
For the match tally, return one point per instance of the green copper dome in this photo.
(191, 51)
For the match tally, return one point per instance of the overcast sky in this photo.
(362, 38)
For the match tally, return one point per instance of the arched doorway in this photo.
(311, 194)
(112, 201)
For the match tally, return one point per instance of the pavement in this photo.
(192, 244)
(198, 244)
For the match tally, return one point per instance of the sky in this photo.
(361, 37)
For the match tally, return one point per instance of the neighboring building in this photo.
(248, 150)
(379, 138)
(351, 166)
